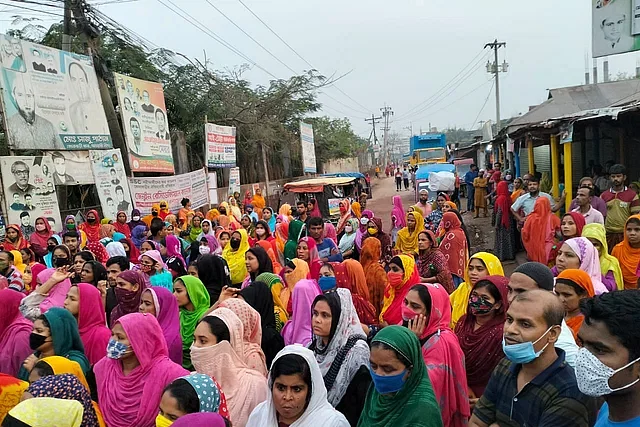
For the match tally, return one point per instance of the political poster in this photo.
(615, 27)
(29, 191)
(220, 146)
(334, 206)
(234, 181)
(71, 167)
(51, 98)
(111, 182)
(145, 124)
(308, 148)
(147, 191)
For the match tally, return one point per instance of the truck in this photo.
(428, 148)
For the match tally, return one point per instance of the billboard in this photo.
(111, 182)
(615, 27)
(145, 124)
(71, 167)
(29, 191)
(308, 148)
(234, 181)
(220, 146)
(51, 98)
(147, 191)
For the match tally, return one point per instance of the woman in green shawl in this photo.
(274, 282)
(296, 227)
(57, 335)
(401, 392)
(609, 265)
(193, 301)
(196, 228)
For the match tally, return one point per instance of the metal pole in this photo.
(497, 71)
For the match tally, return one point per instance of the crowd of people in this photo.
(246, 315)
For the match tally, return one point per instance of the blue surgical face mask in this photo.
(327, 283)
(115, 349)
(389, 383)
(523, 352)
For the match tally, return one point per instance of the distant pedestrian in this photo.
(398, 176)
(405, 178)
(468, 180)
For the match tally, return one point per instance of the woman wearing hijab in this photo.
(374, 273)
(193, 302)
(191, 394)
(258, 202)
(314, 209)
(407, 242)
(340, 347)
(374, 230)
(98, 250)
(259, 296)
(234, 209)
(59, 325)
(14, 333)
(609, 265)
(164, 210)
(39, 238)
(45, 412)
(51, 291)
(361, 232)
(308, 252)
(252, 333)
(268, 248)
(480, 265)
(579, 253)
(92, 226)
(345, 215)
(399, 212)
(298, 329)
(195, 228)
(106, 233)
(213, 271)
(299, 363)
(276, 286)
(17, 261)
(356, 283)
(14, 239)
(411, 402)
(269, 216)
(628, 254)
(121, 225)
(129, 287)
(136, 370)
(294, 272)
(505, 242)
(427, 313)
(539, 231)
(432, 265)
(356, 209)
(403, 274)
(174, 248)
(135, 220)
(347, 244)
(571, 226)
(432, 221)
(154, 271)
(454, 246)
(296, 229)
(572, 286)
(480, 332)
(84, 302)
(139, 235)
(234, 254)
(218, 351)
(329, 232)
(53, 241)
(161, 303)
(257, 261)
(11, 391)
(281, 235)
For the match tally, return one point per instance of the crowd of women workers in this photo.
(250, 316)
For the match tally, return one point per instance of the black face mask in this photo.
(50, 248)
(154, 213)
(91, 220)
(36, 340)
(235, 243)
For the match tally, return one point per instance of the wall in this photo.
(350, 164)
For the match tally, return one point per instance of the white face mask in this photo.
(364, 220)
(348, 229)
(260, 231)
(205, 250)
(593, 375)
(136, 218)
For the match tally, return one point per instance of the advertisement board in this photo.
(334, 206)
(71, 167)
(615, 26)
(220, 146)
(29, 191)
(308, 148)
(145, 124)
(234, 181)
(51, 98)
(147, 191)
(111, 182)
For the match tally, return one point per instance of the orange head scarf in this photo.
(357, 209)
(539, 225)
(629, 258)
(583, 280)
(374, 273)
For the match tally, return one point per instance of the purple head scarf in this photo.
(128, 302)
(200, 419)
(298, 329)
(139, 235)
(168, 317)
(589, 261)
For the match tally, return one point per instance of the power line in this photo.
(483, 105)
(33, 10)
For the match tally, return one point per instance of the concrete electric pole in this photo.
(374, 121)
(386, 113)
(495, 69)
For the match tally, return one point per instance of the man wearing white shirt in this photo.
(583, 199)
(526, 202)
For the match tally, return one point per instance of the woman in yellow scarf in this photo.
(609, 265)
(480, 265)
(356, 209)
(11, 390)
(234, 253)
(407, 242)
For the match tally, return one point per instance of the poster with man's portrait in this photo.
(71, 167)
(29, 191)
(111, 182)
(614, 27)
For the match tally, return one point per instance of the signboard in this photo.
(234, 181)
(308, 148)
(220, 146)
(566, 133)
(615, 26)
(144, 120)
(147, 191)
(51, 98)
(29, 191)
(334, 206)
(71, 167)
(212, 185)
(111, 182)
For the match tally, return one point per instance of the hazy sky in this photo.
(396, 52)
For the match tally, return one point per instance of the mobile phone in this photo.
(60, 262)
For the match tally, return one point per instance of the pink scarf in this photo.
(169, 319)
(298, 329)
(133, 400)
(57, 294)
(398, 212)
(252, 337)
(92, 323)
(589, 261)
(14, 333)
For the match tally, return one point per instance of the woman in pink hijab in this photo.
(15, 330)
(398, 211)
(330, 232)
(86, 305)
(136, 370)
(298, 329)
(51, 291)
(163, 304)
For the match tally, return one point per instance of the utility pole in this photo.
(386, 113)
(374, 121)
(495, 69)
(66, 35)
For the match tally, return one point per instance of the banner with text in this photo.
(147, 191)
(51, 98)
(29, 191)
(220, 146)
(111, 182)
(146, 129)
(71, 167)
(234, 181)
(308, 148)
(615, 26)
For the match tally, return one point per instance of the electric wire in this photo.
(483, 105)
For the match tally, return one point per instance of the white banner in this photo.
(29, 191)
(234, 180)
(147, 191)
(614, 25)
(220, 146)
(71, 167)
(308, 148)
(111, 182)
(51, 98)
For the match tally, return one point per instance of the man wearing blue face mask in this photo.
(609, 363)
(533, 385)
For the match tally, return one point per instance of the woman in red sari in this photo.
(121, 225)
(539, 231)
(308, 251)
(42, 234)
(454, 246)
(14, 240)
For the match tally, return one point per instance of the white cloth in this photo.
(319, 412)
(567, 343)
(116, 249)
